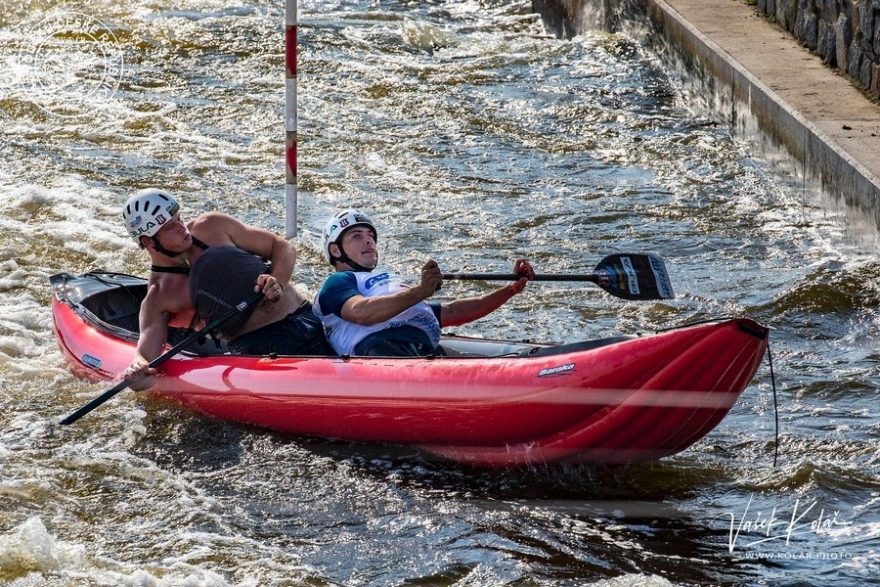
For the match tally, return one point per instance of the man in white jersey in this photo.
(370, 312)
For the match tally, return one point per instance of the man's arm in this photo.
(368, 311)
(153, 335)
(469, 309)
(255, 240)
(372, 310)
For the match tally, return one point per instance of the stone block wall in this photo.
(845, 33)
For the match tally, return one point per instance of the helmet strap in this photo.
(163, 250)
(343, 257)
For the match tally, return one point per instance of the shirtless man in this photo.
(283, 318)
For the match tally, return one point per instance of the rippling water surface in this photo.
(473, 137)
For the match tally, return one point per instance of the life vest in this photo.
(345, 335)
(220, 279)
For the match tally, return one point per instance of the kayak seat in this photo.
(118, 306)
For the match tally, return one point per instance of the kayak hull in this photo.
(614, 402)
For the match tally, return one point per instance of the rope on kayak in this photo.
(775, 406)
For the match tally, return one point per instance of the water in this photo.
(473, 137)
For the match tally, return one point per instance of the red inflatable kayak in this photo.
(489, 403)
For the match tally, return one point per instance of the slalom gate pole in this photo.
(290, 118)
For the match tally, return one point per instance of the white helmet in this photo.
(342, 222)
(147, 211)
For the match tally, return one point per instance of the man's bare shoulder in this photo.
(212, 221)
(214, 228)
(166, 294)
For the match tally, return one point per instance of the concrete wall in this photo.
(566, 18)
(819, 156)
(845, 33)
(559, 16)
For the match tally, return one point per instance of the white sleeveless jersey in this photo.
(345, 335)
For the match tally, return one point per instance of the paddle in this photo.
(628, 276)
(243, 306)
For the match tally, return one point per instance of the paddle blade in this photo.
(634, 277)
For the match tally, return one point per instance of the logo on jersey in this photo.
(376, 280)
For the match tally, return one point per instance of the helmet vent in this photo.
(145, 212)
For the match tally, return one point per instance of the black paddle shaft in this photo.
(630, 276)
(242, 307)
(591, 277)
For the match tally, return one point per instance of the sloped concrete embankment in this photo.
(809, 110)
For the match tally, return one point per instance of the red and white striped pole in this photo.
(290, 117)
